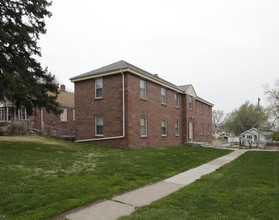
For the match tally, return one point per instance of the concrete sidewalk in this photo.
(126, 203)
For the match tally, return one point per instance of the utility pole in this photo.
(259, 142)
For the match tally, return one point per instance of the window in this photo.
(143, 89)
(2, 114)
(164, 127)
(74, 114)
(208, 129)
(63, 116)
(143, 126)
(176, 128)
(99, 88)
(99, 126)
(208, 110)
(201, 128)
(23, 113)
(9, 116)
(190, 102)
(176, 97)
(201, 108)
(163, 95)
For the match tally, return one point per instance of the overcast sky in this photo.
(227, 49)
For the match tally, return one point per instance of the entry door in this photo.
(191, 131)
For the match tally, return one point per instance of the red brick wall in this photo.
(110, 107)
(199, 118)
(52, 120)
(152, 108)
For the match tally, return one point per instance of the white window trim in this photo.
(96, 88)
(64, 114)
(177, 127)
(145, 119)
(176, 95)
(191, 107)
(164, 89)
(98, 135)
(74, 114)
(164, 135)
(2, 114)
(145, 93)
(202, 129)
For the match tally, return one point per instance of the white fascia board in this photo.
(147, 77)
(204, 101)
(142, 75)
(98, 75)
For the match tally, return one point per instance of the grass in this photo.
(247, 188)
(41, 180)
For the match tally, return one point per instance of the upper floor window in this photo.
(176, 128)
(99, 88)
(99, 126)
(163, 95)
(176, 97)
(63, 116)
(164, 127)
(208, 110)
(143, 126)
(143, 89)
(190, 102)
(201, 108)
(201, 128)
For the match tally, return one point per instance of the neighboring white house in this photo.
(249, 138)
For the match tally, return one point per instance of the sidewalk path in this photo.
(125, 204)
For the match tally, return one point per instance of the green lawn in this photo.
(40, 180)
(247, 188)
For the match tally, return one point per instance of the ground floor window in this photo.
(201, 128)
(23, 113)
(64, 115)
(143, 126)
(177, 128)
(2, 114)
(164, 127)
(99, 126)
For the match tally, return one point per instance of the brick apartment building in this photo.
(124, 106)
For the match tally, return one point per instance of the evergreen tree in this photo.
(23, 81)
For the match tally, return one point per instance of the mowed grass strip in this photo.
(247, 188)
(40, 180)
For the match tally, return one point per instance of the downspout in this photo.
(123, 120)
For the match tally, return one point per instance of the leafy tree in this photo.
(217, 119)
(245, 118)
(273, 98)
(22, 79)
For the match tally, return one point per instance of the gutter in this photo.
(123, 120)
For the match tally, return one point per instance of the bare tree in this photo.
(217, 119)
(273, 99)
